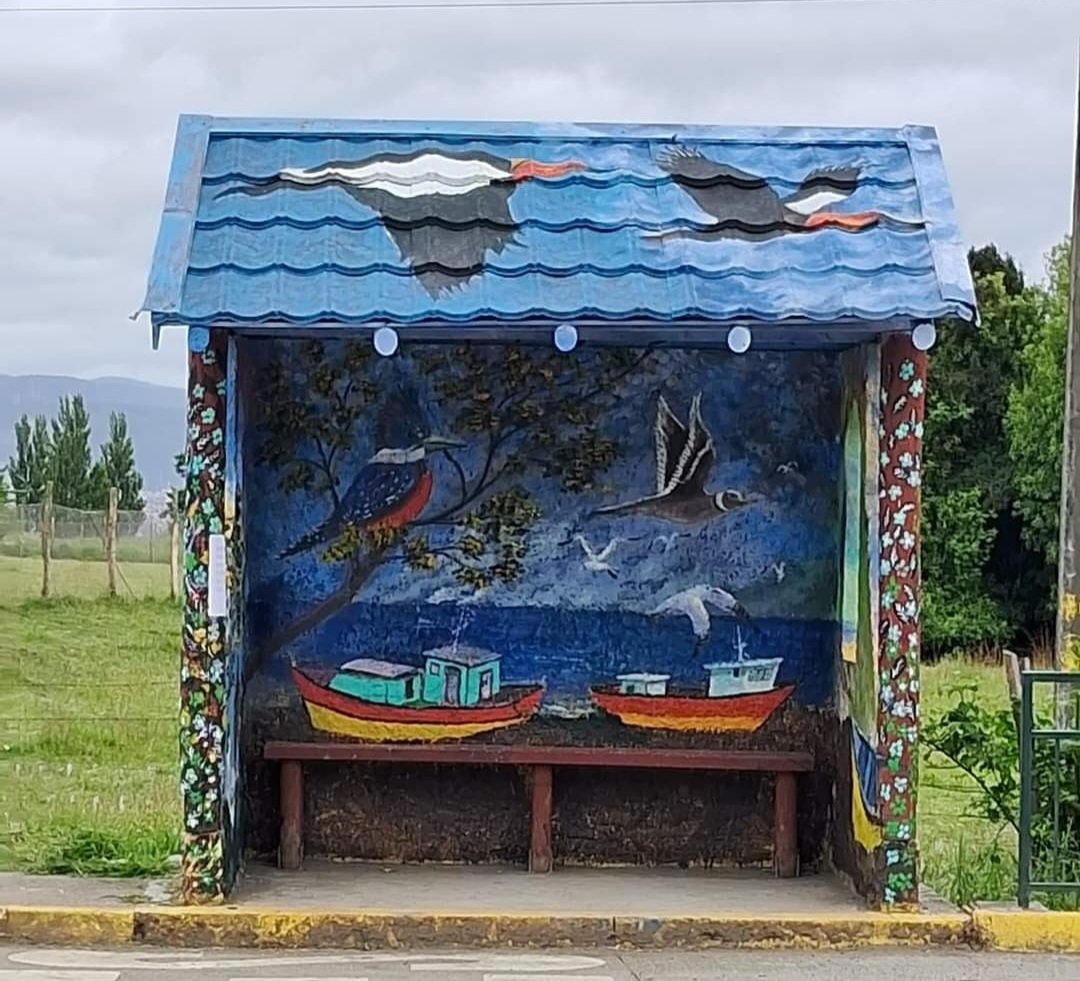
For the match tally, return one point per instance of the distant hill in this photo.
(155, 415)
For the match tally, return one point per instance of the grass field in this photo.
(88, 753)
(88, 691)
(20, 579)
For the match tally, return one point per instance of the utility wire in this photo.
(391, 5)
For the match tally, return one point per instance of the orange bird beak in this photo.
(848, 223)
(523, 170)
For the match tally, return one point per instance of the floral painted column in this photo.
(203, 649)
(903, 388)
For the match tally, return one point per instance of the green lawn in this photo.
(20, 579)
(964, 857)
(88, 778)
(88, 691)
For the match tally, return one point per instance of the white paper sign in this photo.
(217, 602)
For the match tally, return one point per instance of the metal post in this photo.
(1026, 801)
(1067, 649)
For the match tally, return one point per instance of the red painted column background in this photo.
(903, 400)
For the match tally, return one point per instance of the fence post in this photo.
(174, 556)
(110, 538)
(45, 521)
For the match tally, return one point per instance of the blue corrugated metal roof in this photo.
(302, 222)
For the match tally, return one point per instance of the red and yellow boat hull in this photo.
(341, 714)
(692, 712)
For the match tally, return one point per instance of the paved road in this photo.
(149, 964)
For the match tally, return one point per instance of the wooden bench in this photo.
(540, 761)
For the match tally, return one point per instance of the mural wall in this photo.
(510, 543)
(858, 830)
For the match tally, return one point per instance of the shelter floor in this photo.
(634, 892)
(354, 886)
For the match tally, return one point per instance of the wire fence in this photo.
(75, 555)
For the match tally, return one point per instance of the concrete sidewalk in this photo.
(375, 906)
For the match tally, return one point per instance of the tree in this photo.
(30, 469)
(524, 412)
(75, 482)
(118, 465)
(976, 571)
(1036, 413)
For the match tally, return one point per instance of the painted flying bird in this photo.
(695, 604)
(445, 211)
(392, 488)
(684, 460)
(748, 208)
(598, 561)
(668, 541)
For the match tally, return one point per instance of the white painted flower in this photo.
(887, 541)
(916, 388)
(914, 478)
(907, 541)
(895, 492)
(884, 458)
(906, 459)
(893, 632)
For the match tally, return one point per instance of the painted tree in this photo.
(118, 464)
(525, 413)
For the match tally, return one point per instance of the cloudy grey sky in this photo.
(88, 106)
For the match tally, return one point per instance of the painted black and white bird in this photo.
(747, 207)
(444, 210)
(685, 455)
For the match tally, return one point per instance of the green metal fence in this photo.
(1049, 784)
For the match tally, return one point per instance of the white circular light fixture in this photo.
(738, 339)
(923, 336)
(385, 340)
(566, 337)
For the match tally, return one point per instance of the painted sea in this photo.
(568, 650)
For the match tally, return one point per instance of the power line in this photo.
(392, 5)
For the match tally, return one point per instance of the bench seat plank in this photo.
(761, 761)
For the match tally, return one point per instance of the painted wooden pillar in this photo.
(203, 683)
(903, 390)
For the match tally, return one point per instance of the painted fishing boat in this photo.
(739, 697)
(331, 708)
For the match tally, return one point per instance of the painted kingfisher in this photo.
(393, 487)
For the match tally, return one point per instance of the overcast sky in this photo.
(88, 106)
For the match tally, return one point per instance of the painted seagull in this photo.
(392, 488)
(598, 561)
(444, 210)
(684, 460)
(748, 208)
(695, 604)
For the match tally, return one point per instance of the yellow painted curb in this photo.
(75, 925)
(1021, 929)
(224, 926)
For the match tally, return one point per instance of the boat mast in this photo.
(740, 644)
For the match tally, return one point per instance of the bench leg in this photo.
(786, 841)
(540, 859)
(291, 845)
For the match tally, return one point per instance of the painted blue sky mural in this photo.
(514, 499)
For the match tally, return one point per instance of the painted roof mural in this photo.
(283, 222)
